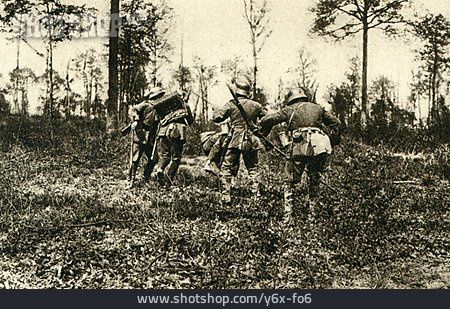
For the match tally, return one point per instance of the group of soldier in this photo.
(244, 123)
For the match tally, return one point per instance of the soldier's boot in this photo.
(288, 202)
(132, 175)
(226, 190)
(148, 170)
(172, 171)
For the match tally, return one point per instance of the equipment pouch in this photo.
(297, 136)
(284, 139)
(302, 149)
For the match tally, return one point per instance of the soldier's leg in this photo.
(137, 153)
(177, 153)
(251, 163)
(230, 168)
(315, 167)
(214, 154)
(164, 156)
(150, 161)
(293, 175)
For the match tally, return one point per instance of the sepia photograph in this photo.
(225, 144)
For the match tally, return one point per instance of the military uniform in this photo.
(143, 138)
(145, 126)
(243, 141)
(310, 146)
(171, 140)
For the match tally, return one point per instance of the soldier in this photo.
(242, 141)
(171, 140)
(310, 146)
(144, 126)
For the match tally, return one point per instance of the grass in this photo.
(67, 222)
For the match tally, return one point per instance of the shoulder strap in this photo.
(244, 114)
(292, 115)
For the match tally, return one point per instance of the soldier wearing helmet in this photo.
(242, 141)
(309, 147)
(144, 125)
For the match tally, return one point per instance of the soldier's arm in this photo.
(135, 111)
(331, 121)
(222, 114)
(271, 120)
(263, 113)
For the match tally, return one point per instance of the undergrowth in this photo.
(67, 222)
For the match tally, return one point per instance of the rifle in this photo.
(125, 130)
(255, 130)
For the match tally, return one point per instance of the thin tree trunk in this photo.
(113, 72)
(255, 64)
(430, 114)
(67, 107)
(433, 85)
(51, 77)
(364, 74)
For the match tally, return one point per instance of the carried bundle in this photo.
(172, 108)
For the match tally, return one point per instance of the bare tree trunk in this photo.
(113, 72)
(434, 110)
(89, 98)
(67, 107)
(429, 118)
(50, 73)
(363, 119)
(255, 64)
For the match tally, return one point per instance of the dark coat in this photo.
(241, 132)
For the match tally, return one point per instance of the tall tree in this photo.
(340, 19)
(113, 72)
(257, 17)
(434, 31)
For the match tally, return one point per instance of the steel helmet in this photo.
(295, 94)
(242, 86)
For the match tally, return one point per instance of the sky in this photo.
(216, 30)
